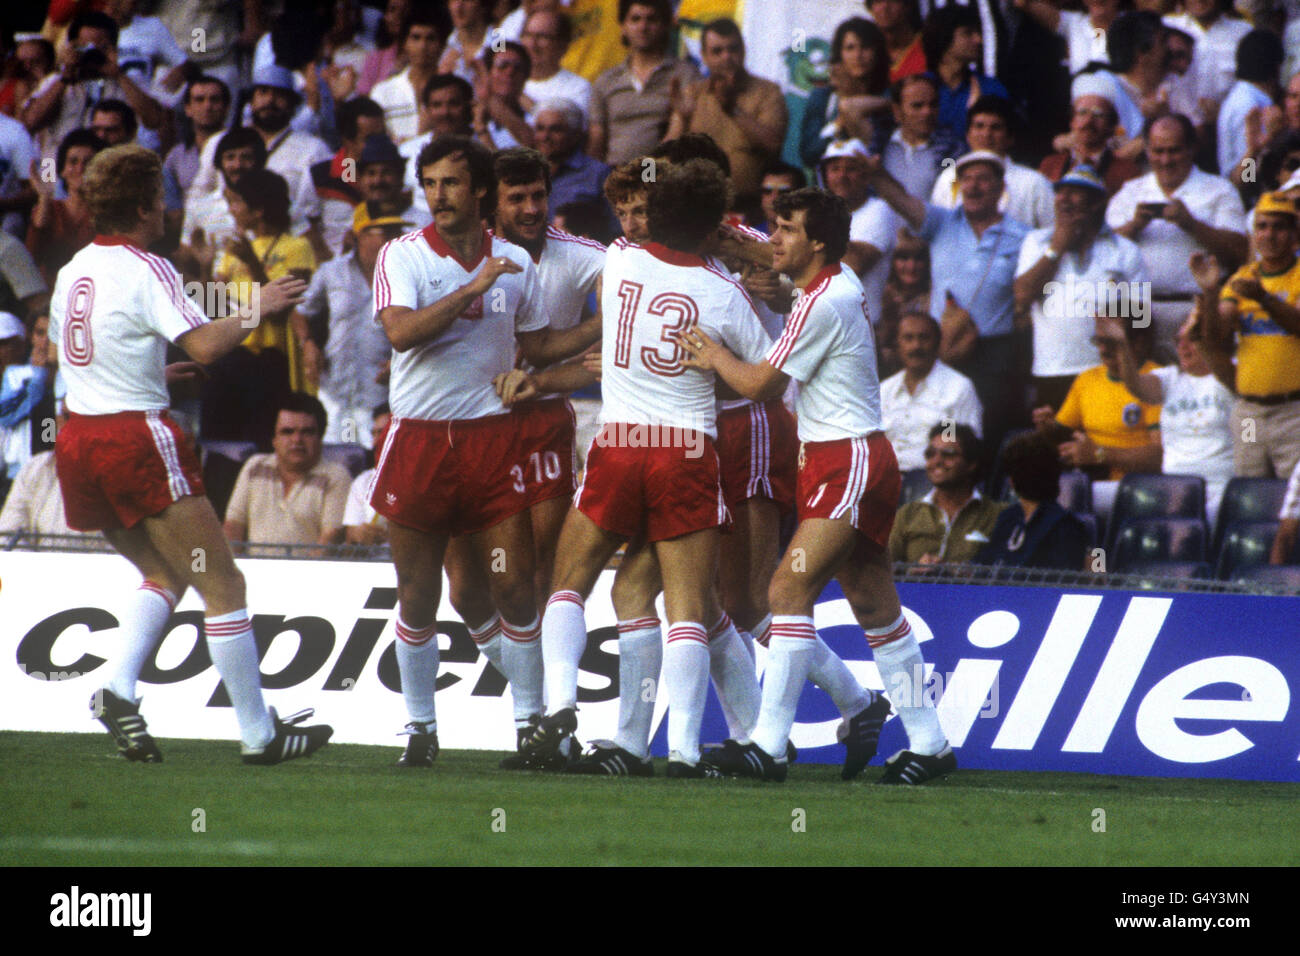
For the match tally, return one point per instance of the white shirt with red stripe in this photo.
(567, 272)
(450, 377)
(113, 310)
(773, 323)
(828, 347)
(650, 293)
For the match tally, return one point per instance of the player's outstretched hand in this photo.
(513, 386)
(282, 293)
(700, 349)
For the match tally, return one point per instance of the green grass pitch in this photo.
(66, 800)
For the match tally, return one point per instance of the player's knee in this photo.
(788, 594)
(514, 597)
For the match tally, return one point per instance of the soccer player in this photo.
(847, 493)
(652, 472)
(125, 468)
(568, 269)
(454, 301)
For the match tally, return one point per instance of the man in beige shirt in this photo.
(744, 113)
(290, 496)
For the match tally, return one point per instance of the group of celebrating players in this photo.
(701, 330)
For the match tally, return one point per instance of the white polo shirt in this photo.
(1109, 273)
(1164, 247)
(942, 396)
(400, 102)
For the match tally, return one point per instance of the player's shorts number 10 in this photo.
(541, 464)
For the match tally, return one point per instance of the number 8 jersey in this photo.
(113, 311)
(650, 294)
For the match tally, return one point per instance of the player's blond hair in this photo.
(118, 181)
(625, 182)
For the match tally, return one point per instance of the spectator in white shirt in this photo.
(1066, 274)
(1217, 35)
(361, 523)
(424, 37)
(925, 393)
(1027, 193)
(469, 41)
(1172, 212)
(446, 109)
(546, 37)
(1195, 410)
(1259, 58)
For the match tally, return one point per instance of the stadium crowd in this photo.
(1075, 232)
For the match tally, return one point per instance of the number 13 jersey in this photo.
(650, 294)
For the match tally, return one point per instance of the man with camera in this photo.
(88, 74)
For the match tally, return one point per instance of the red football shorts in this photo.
(660, 481)
(548, 457)
(451, 477)
(854, 478)
(116, 470)
(758, 447)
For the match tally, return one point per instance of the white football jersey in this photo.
(650, 293)
(773, 323)
(451, 376)
(567, 272)
(828, 348)
(113, 310)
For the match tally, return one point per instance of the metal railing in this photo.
(911, 573)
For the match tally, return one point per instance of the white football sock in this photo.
(234, 652)
(790, 653)
(488, 640)
(902, 668)
(521, 657)
(640, 656)
(832, 675)
(564, 638)
(734, 678)
(747, 639)
(686, 680)
(417, 663)
(763, 630)
(142, 626)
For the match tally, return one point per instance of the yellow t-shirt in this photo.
(279, 255)
(1268, 357)
(1108, 413)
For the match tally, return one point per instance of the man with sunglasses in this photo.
(1092, 127)
(779, 179)
(953, 521)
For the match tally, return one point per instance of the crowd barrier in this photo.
(1031, 671)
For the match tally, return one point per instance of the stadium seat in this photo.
(1282, 576)
(916, 485)
(221, 462)
(1249, 499)
(1156, 496)
(355, 458)
(1076, 491)
(1159, 539)
(1245, 543)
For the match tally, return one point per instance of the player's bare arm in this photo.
(543, 347)
(214, 340)
(757, 381)
(560, 379)
(408, 328)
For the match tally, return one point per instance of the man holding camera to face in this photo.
(88, 73)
